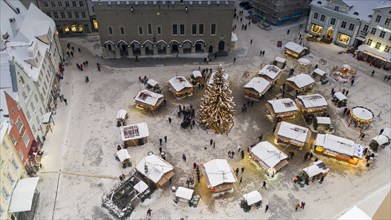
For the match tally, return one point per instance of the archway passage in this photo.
(123, 47)
(187, 47)
(210, 50)
(174, 47)
(148, 48)
(221, 45)
(200, 47)
(136, 47)
(161, 47)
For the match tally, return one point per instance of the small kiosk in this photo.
(269, 157)
(323, 125)
(256, 88)
(340, 100)
(270, 72)
(249, 199)
(281, 108)
(219, 176)
(180, 87)
(153, 85)
(292, 135)
(134, 135)
(379, 141)
(183, 194)
(313, 172)
(304, 65)
(156, 170)
(148, 100)
(121, 117)
(301, 83)
(339, 148)
(360, 117)
(318, 73)
(279, 62)
(124, 157)
(314, 103)
(196, 77)
(295, 50)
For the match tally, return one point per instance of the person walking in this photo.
(343, 91)
(165, 139)
(264, 185)
(373, 73)
(251, 41)
(211, 142)
(352, 82)
(149, 212)
(302, 204)
(160, 141)
(160, 149)
(378, 115)
(266, 208)
(332, 91)
(184, 157)
(321, 180)
(169, 120)
(260, 53)
(79, 50)
(240, 181)
(237, 171)
(260, 137)
(242, 169)
(297, 206)
(287, 32)
(347, 92)
(362, 135)
(234, 59)
(66, 101)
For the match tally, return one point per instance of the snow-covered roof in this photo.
(362, 113)
(270, 71)
(268, 153)
(155, 166)
(134, 131)
(293, 132)
(179, 83)
(5, 83)
(387, 132)
(259, 84)
(121, 114)
(294, 47)
(319, 72)
(323, 120)
(301, 80)
(211, 78)
(46, 117)
(316, 168)
(219, 172)
(252, 197)
(373, 51)
(8, 11)
(22, 197)
(304, 61)
(381, 139)
(283, 105)
(234, 37)
(184, 193)
(141, 186)
(196, 73)
(340, 96)
(4, 128)
(123, 155)
(339, 144)
(356, 214)
(280, 59)
(313, 100)
(139, 2)
(152, 82)
(148, 97)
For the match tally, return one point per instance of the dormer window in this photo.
(356, 13)
(336, 8)
(319, 2)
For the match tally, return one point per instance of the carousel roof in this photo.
(301, 80)
(362, 113)
(259, 84)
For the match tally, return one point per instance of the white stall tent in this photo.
(123, 155)
(219, 172)
(121, 114)
(323, 120)
(196, 73)
(387, 132)
(293, 132)
(252, 197)
(339, 145)
(184, 193)
(141, 186)
(340, 96)
(319, 72)
(283, 105)
(23, 195)
(381, 139)
(152, 82)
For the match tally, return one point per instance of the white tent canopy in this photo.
(304, 61)
(323, 120)
(387, 132)
(152, 82)
(320, 72)
(252, 197)
(340, 96)
(153, 167)
(184, 193)
(121, 114)
(141, 186)
(381, 139)
(123, 155)
(315, 169)
(22, 197)
(196, 73)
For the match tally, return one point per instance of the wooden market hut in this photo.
(340, 100)
(183, 194)
(291, 134)
(314, 172)
(281, 108)
(155, 169)
(269, 157)
(300, 83)
(256, 88)
(250, 199)
(295, 50)
(148, 100)
(196, 77)
(153, 85)
(323, 125)
(279, 62)
(180, 87)
(313, 103)
(339, 148)
(318, 73)
(270, 72)
(219, 175)
(303, 65)
(135, 134)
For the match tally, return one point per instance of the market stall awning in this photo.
(184, 193)
(375, 53)
(123, 155)
(22, 197)
(381, 139)
(46, 117)
(252, 197)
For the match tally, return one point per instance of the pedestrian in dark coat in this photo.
(302, 204)
(352, 82)
(165, 139)
(373, 73)
(211, 142)
(345, 111)
(79, 50)
(149, 212)
(237, 171)
(160, 149)
(160, 141)
(266, 208)
(242, 169)
(287, 32)
(264, 185)
(169, 120)
(240, 181)
(343, 91)
(347, 92)
(66, 101)
(184, 157)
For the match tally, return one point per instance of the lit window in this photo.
(387, 49)
(95, 24)
(73, 29)
(317, 29)
(343, 38)
(80, 29)
(378, 45)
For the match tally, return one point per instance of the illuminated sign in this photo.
(383, 29)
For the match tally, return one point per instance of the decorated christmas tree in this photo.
(217, 109)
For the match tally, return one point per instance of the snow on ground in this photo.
(84, 138)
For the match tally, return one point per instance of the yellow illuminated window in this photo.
(66, 28)
(80, 28)
(343, 38)
(316, 29)
(73, 28)
(95, 24)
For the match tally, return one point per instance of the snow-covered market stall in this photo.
(156, 170)
(121, 117)
(281, 108)
(303, 65)
(295, 50)
(279, 62)
(249, 199)
(360, 117)
(270, 72)
(256, 88)
(340, 100)
(323, 125)
(339, 148)
(124, 157)
(269, 157)
(180, 87)
(313, 172)
(379, 141)
(148, 100)
(183, 194)
(196, 77)
(153, 85)
(301, 83)
(135, 134)
(318, 73)
(219, 176)
(291, 134)
(314, 103)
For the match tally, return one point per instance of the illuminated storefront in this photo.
(73, 28)
(66, 29)
(316, 29)
(95, 23)
(343, 39)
